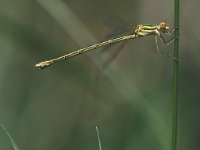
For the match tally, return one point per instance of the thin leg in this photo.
(158, 50)
(169, 41)
(172, 31)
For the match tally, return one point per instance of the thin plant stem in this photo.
(98, 137)
(15, 147)
(175, 78)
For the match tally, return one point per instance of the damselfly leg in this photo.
(165, 42)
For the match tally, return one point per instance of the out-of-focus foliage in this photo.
(58, 108)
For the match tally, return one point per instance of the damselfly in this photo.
(140, 31)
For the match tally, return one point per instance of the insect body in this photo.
(140, 31)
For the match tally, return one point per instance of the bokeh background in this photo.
(130, 101)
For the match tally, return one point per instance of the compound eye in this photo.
(162, 24)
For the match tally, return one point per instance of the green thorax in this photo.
(148, 26)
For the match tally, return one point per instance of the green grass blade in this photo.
(10, 138)
(175, 79)
(98, 137)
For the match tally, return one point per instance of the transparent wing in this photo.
(118, 27)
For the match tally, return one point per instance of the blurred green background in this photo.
(130, 101)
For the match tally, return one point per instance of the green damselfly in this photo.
(140, 31)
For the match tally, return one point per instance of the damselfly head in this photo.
(164, 26)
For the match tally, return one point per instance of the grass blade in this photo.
(175, 79)
(15, 147)
(98, 137)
